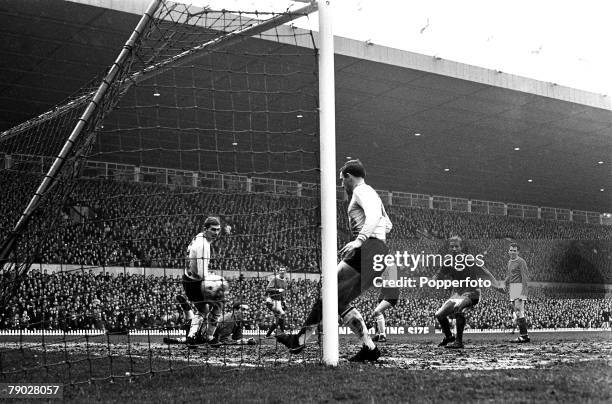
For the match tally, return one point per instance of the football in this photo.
(214, 287)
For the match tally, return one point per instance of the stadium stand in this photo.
(130, 224)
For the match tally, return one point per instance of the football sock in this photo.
(460, 318)
(305, 333)
(445, 325)
(272, 328)
(196, 322)
(186, 309)
(380, 324)
(281, 324)
(353, 320)
(316, 314)
(522, 323)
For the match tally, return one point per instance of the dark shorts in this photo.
(193, 290)
(391, 295)
(362, 260)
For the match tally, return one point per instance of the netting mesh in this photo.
(210, 113)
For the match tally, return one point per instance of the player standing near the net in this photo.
(276, 290)
(196, 281)
(463, 298)
(369, 224)
(517, 278)
(388, 298)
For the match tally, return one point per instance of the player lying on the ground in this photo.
(229, 330)
(517, 277)
(463, 298)
(369, 224)
(388, 298)
(275, 302)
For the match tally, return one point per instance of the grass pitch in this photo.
(566, 367)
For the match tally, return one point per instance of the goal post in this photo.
(329, 286)
(207, 99)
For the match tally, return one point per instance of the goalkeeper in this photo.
(229, 329)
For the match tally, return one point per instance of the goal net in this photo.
(203, 113)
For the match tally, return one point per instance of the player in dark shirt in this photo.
(517, 280)
(463, 298)
(275, 302)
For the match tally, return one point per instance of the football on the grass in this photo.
(214, 287)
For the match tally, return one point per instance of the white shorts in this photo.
(516, 292)
(275, 305)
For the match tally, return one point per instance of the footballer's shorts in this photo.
(390, 295)
(193, 289)
(466, 300)
(362, 260)
(516, 292)
(275, 305)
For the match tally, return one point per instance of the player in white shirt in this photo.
(196, 278)
(369, 224)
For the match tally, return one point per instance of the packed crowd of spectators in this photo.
(81, 300)
(112, 223)
(105, 223)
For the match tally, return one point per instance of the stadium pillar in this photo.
(469, 206)
(327, 123)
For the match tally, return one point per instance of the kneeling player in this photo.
(388, 298)
(463, 298)
(275, 302)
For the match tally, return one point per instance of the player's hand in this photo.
(280, 290)
(349, 247)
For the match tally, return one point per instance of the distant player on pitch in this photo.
(369, 225)
(463, 298)
(275, 302)
(517, 278)
(203, 289)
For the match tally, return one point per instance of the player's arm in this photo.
(273, 289)
(440, 274)
(494, 282)
(524, 277)
(192, 260)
